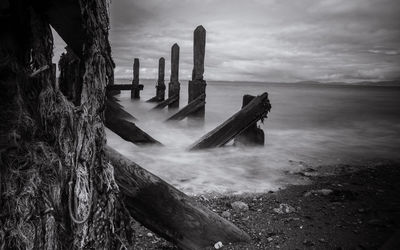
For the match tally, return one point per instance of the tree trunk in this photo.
(58, 191)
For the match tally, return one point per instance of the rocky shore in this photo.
(344, 207)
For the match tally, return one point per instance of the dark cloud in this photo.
(262, 40)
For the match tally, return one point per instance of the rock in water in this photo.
(240, 206)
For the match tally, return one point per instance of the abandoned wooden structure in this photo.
(136, 88)
(197, 86)
(253, 135)
(160, 85)
(174, 87)
(256, 110)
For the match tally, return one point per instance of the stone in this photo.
(324, 192)
(284, 209)
(218, 245)
(226, 214)
(240, 206)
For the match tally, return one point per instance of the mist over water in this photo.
(311, 123)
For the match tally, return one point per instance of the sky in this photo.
(260, 40)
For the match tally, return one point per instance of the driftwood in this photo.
(168, 212)
(192, 107)
(256, 110)
(167, 102)
(253, 135)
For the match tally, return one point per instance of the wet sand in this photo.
(349, 207)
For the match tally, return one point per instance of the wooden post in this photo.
(160, 86)
(256, 110)
(197, 86)
(168, 212)
(253, 135)
(174, 85)
(135, 91)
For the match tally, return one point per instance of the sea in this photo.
(310, 124)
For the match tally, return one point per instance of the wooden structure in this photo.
(167, 211)
(191, 108)
(174, 86)
(256, 110)
(160, 86)
(253, 135)
(136, 87)
(197, 86)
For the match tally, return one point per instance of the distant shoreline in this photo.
(395, 83)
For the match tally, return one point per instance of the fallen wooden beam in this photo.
(115, 121)
(123, 87)
(192, 107)
(256, 110)
(167, 102)
(168, 212)
(116, 109)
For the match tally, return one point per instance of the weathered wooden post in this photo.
(174, 85)
(160, 82)
(135, 91)
(197, 86)
(160, 87)
(253, 135)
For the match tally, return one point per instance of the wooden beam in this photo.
(115, 121)
(168, 212)
(167, 102)
(192, 107)
(123, 87)
(256, 110)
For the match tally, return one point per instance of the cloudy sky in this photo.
(261, 40)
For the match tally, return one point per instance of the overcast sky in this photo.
(261, 40)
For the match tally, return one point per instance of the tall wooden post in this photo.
(135, 91)
(160, 82)
(197, 86)
(174, 85)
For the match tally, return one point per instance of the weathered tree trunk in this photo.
(59, 190)
(256, 110)
(169, 212)
(191, 108)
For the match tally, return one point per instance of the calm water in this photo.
(315, 124)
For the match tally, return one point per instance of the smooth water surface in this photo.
(311, 123)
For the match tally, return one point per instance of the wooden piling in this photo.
(256, 110)
(197, 86)
(135, 91)
(253, 135)
(174, 85)
(160, 86)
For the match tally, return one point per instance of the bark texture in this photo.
(58, 190)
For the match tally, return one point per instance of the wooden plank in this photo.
(167, 102)
(123, 87)
(115, 109)
(125, 129)
(256, 110)
(168, 212)
(192, 107)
